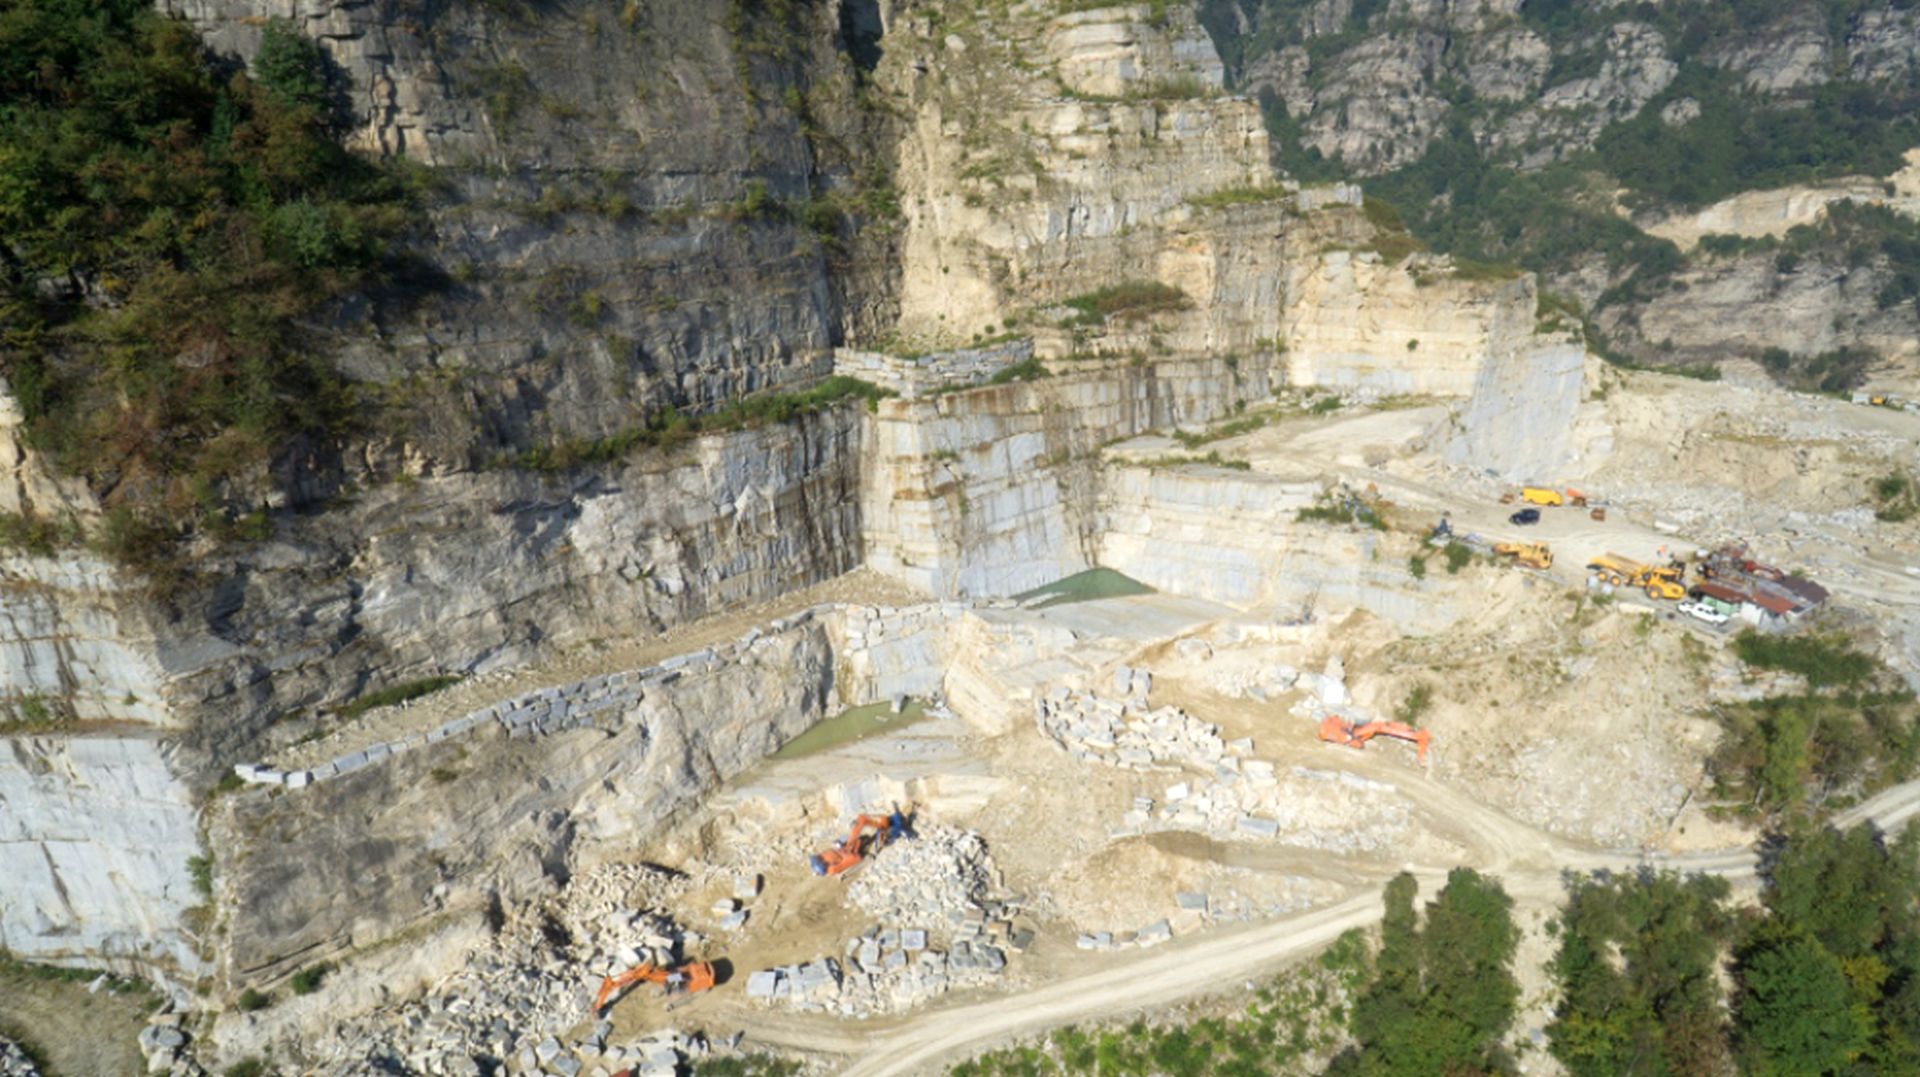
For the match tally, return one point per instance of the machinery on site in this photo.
(870, 834)
(1541, 495)
(688, 979)
(1337, 730)
(1529, 554)
(1658, 581)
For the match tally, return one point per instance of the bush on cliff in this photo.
(165, 222)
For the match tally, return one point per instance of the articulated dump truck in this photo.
(1663, 582)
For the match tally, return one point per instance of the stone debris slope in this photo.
(516, 1000)
(940, 925)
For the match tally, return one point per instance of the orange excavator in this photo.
(870, 834)
(688, 979)
(1337, 730)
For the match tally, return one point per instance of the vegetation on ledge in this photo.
(165, 223)
(669, 427)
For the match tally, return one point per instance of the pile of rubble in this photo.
(1125, 733)
(937, 876)
(514, 1000)
(940, 927)
(14, 1061)
(1320, 809)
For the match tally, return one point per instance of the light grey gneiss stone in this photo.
(1263, 828)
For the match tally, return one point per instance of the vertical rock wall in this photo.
(95, 835)
(66, 652)
(1355, 321)
(1519, 422)
(991, 492)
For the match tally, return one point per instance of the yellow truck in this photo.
(1656, 581)
(1541, 495)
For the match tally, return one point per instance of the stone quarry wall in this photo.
(67, 651)
(458, 574)
(95, 834)
(1519, 422)
(490, 570)
(884, 652)
(510, 797)
(1209, 533)
(1235, 538)
(1354, 321)
(991, 492)
(500, 807)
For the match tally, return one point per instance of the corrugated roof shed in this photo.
(1810, 592)
(1721, 591)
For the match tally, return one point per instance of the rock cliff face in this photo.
(1374, 85)
(606, 208)
(1026, 184)
(992, 493)
(1474, 115)
(95, 837)
(453, 825)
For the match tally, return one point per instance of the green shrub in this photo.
(1417, 566)
(1027, 370)
(1132, 299)
(200, 870)
(252, 1001)
(1637, 971)
(1413, 708)
(309, 979)
(1212, 459)
(1457, 555)
(1825, 661)
(399, 693)
(1896, 498)
(754, 1065)
(293, 69)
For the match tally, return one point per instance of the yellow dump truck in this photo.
(1541, 495)
(1657, 582)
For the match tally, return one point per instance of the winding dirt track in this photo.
(1529, 862)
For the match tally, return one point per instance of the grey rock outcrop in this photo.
(450, 825)
(96, 833)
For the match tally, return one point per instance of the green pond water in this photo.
(1086, 586)
(849, 726)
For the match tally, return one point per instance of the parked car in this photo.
(1525, 516)
(1700, 611)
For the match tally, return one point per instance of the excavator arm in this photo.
(1337, 730)
(691, 978)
